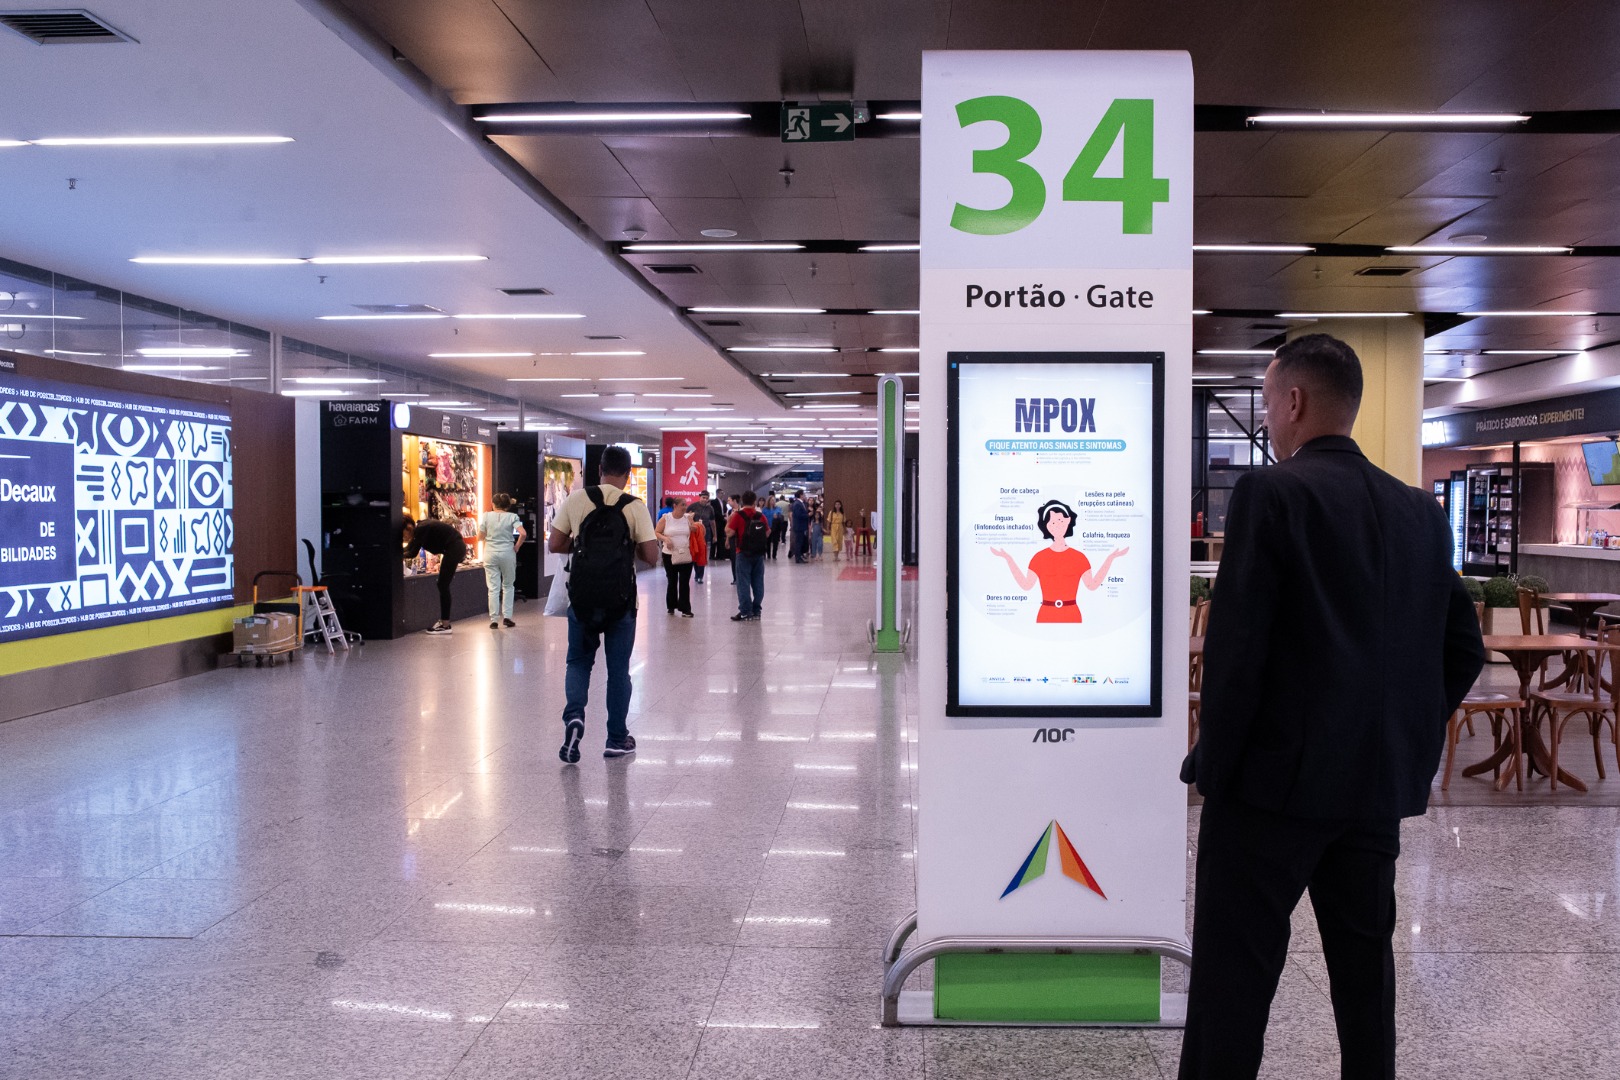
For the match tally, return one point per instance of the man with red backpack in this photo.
(603, 530)
(751, 534)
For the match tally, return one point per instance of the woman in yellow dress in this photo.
(835, 528)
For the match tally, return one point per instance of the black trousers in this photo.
(1253, 866)
(678, 590)
(447, 574)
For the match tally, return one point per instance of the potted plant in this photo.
(1499, 592)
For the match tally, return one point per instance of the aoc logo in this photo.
(1072, 865)
(1048, 414)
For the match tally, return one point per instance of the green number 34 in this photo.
(1136, 189)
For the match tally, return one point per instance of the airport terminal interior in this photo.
(279, 279)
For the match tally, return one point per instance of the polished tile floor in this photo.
(374, 866)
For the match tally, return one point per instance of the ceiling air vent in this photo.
(1385, 271)
(604, 337)
(672, 268)
(721, 322)
(527, 292)
(400, 309)
(61, 26)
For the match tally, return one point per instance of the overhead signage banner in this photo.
(1554, 418)
(684, 464)
(1054, 534)
(1056, 362)
(114, 507)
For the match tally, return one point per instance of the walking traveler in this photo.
(1339, 642)
(604, 530)
(502, 533)
(816, 532)
(442, 539)
(702, 513)
(750, 537)
(835, 528)
(799, 512)
(674, 531)
(776, 516)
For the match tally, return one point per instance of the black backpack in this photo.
(756, 534)
(602, 569)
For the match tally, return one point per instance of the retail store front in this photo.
(1532, 489)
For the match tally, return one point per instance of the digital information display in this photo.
(114, 507)
(1054, 551)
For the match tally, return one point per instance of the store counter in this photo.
(469, 596)
(1572, 567)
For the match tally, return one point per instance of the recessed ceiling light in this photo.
(739, 246)
(1237, 352)
(1342, 314)
(172, 367)
(1480, 249)
(333, 380)
(1254, 249)
(1523, 314)
(523, 315)
(473, 355)
(181, 351)
(382, 317)
(759, 310)
(719, 234)
(891, 247)
(164, 140)
(784, 348)
(646, 116)
(1389, 119)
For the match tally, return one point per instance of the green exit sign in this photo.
(824, 122)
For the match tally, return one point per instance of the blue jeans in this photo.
(582, 645)
(750, 574)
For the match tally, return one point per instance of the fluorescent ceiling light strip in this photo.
(172, 367)
(899, 116)
(1202, 311)
(626, 117)
(610, 352)
(894, 311)
(725, 246)
(890, 247)
(1198, 377)
(182, 351)
(678, 395)
(1480, 249)
(1523, 314)
(645, 378)
(808, 375)
(333, 380)
(901, 348)
(445, 404)
(215, 260)
(826, 406)
(473, 355)
(1445, 378)
(759, 310)
(163, 140)
(1390, 119)
(1253, 249)
(382, 318)
(27, 316)
(825, 393)
(315, 393)
(382, 260)
(552, 378)
(400, 393)
(12, 142)
(1342, 314)
(784, 348)
(1531, 352)
(1237, 352)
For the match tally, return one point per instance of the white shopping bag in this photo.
(557, 598)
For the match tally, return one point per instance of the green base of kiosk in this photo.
(1046, 988)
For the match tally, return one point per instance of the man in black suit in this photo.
(1339, 641)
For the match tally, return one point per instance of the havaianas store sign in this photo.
(1577, 414)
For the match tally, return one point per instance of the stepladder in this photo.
(321, 618)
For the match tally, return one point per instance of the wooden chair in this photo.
(1200, 618)
(1505, 712)
(1587, 694)
(1195, 698)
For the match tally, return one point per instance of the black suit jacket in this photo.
(1339, 641)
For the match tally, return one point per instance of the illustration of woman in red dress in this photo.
(1059, 568)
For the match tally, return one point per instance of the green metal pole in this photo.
(891, 412)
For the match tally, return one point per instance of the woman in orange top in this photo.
(1059, 568)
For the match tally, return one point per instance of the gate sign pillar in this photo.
(1056, 295)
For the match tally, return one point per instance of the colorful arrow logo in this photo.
(1035, 862)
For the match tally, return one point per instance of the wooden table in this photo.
(1582, 605)
(1526, 652)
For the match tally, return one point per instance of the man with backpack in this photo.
(751, 534)
(604, 530)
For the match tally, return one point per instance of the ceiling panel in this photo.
(467, 47)
(602, 50)
(609, 218)
(796, 219)
(571, 166)
(1406, 221)
(684, 167)
(1510, 164)
(880, 44)
(690, 217)
(775, 61)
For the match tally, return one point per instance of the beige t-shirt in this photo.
(578, 506)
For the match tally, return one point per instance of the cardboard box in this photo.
(271, 632)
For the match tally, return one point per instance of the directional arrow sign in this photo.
(684, 464)
(828, 121)
(686, 448)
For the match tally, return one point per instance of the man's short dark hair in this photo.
(1325, 364)
(748, 498)
(1047, 508)
(615, 461)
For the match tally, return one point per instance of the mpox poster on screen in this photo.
(1054, 461)
(114, 507)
